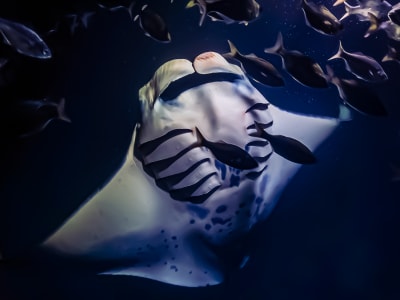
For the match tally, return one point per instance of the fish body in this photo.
(391, 29)
(153, 25)
(378, 8)
(229, 154)
(362, 66)
(228, 11)
(173, 209)
(255, 67)
(302, 68)
(33, 116)
(392, 54)
(358, 96)
(287, 147)
(394, 14)
(319, 18)
(24, 40)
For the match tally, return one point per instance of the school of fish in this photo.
(355, 92)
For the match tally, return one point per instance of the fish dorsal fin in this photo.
(212, 62)
(167, 73)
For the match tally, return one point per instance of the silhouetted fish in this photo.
(229, 154)
(392, 54)
(319, 18)
(362, 66)
(301, 67)
(391, 29)
(257, 68)
(153, 25)
(287, 147)
(33, 116)
(23, 39)
(357, 96)
(228, 11)
(394, 14)
(378, 8)
(128, 9)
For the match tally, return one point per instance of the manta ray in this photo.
(200, 172)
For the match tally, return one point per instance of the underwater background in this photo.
(334, 233)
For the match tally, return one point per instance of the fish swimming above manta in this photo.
(204, 166)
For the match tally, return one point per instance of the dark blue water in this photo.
(334, 233)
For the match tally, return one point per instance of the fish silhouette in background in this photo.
(391, 29)
(31, 117)
(394, 14)
(362, 66)
(153, 25)
(301, 67)
(227, 11)
(320, 18)
(175, 203)
(392, 55)
(360, 97)
(361, 11)
(23, 40)
(255, 67)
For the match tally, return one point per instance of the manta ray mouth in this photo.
(193, 80)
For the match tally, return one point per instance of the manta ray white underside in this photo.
(172, 203)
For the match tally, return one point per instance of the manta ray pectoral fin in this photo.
(311, 131)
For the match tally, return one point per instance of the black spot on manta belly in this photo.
(220, 209)
(200, 211)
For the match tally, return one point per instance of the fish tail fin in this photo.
(233, 50)
(338, 53)
(374, 26)
(390, 55)
(349, 10)
(339, 2)
(202, 7)
(278, 47)
(130, 8)
(61, 111)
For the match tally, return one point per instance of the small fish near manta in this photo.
(302, 68)
(24, 40)
(153, 25)
(227, 11)
(319, 18)
(256, 68)
(174, 202)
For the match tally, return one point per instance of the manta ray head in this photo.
(178, 199)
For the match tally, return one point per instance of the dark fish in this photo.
(257, 68)
(287, 147)
(228, 11)
(391, 29)
(394, 14)
(229, 154)
(33, 116)
(78, 21)
(23, 39)
(392, 54)
(359, 97)
(362, 66)
(128, 9)
(319, 18)
(302, 68)
(153, 25)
